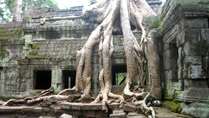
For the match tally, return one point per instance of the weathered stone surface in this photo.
(196, 109)
(118, 115)
(114, 106)
(205, 34)
(181, 38)
(46, 109)
(65, 116)
(80, 106)
(170, 75)
(195, 72)
(169, 63)
(195, 83)
(171, 35)
(194, 60)
(195, 23)
(37, 109)
(5, 109)
(165, 113)
(129, 108)
(197, 95)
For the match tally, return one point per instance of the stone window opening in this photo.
(173, 60)
(68, 78)
(42, 79)
(119, 74)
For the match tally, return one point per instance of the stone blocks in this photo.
(195, 23)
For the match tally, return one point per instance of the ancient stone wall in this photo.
(50, 48)
(11, 50)
(185, 54)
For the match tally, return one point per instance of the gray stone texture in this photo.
(187, 27)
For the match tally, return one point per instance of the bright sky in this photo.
(69, 3)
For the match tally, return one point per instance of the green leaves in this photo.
(8, 6)
(153, 22)
(39, 4)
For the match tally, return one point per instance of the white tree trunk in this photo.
(17, 11)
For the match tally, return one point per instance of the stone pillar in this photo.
(154, 66)
(57, 78)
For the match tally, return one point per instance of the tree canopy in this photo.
(7, 7)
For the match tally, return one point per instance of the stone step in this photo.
(118, 115)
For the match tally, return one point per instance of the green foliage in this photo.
(120, 78)
(7, 11)
(34, 54)
(154, 22)
(3, 52)
(36, 47)
(39, 4)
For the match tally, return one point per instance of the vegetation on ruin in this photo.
(124, 16)
(15, 33)
(8, 9)
(173, 106)
(3, 52)
(172, 103)
(154, 22)
(34, 54)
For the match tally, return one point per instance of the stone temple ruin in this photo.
(36, 56)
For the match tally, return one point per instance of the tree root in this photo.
(128, 12)
(104, 98)
(149, 111)
(67, 92)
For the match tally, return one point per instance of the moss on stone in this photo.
(173, 106)
(3, 52)
(175, 97)
(6, 34)
(36, 46)
(193, 3)
(167, 96)
(34, 54)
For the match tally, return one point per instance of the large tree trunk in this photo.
(17, 11)
(110, 13)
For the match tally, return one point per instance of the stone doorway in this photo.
(42, 79)
(118, 74)
(172, 56)
(68, 78)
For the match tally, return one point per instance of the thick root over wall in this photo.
(112, 14)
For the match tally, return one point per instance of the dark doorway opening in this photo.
(42, 79)
(173, 59)
(118, 74)
(68, 78)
